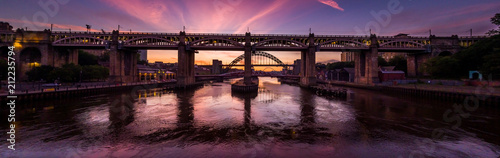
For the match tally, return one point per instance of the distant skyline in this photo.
(343, 17)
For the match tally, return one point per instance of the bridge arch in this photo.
(342, 43)
(263, 54)
(79, 39)
(148, 40)
(281, 41)
(403, 42)
(29, 58)
(210, 41)
(30, 55)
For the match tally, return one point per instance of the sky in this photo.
(322, 17)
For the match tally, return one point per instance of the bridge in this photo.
(58, 48)
(258, 59)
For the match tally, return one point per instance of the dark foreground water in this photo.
(279, 121)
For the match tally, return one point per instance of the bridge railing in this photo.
(278, 35)
(340, 36)
(149, 33)
(214, 34)
(473, 37)
(80, 33)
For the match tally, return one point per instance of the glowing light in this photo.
(18, 45)
(34, 64)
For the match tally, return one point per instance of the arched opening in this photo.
(445, 54)
(475, 76)
(258, 58)
(30, 58)
(4, 52)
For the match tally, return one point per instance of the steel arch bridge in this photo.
(273, 60)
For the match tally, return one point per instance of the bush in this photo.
(68, 73)
(442, 67)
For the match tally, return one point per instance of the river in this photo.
(279, 121)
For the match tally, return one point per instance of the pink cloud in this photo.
(276, 5)
(201, 16)
(332, 4)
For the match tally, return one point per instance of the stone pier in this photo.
(366, 64)
(186, 71)
(308, 64)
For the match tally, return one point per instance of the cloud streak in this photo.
(332, 4)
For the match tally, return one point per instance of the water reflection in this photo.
(247, 99)
(277, 121)
(121, 112)
(185, 106)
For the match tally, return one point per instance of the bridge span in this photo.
(58, 48)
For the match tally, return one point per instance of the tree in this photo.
(339, 65)
(382, 61)
(495, 20)
(95, 72)
(491, 65)
(3, 69)
(473, 57)
(40, 73)
(442, 67)
(399, 62)
(85, 58)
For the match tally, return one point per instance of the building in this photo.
(332, 75)
(216, 66)
(346, 74)
(147, 73)
(388, 74)
(347, 56)
(144, 55)
(5, 26)
(296, 67)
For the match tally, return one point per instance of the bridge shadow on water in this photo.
(188, 132)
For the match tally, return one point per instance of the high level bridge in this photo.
(58, 48)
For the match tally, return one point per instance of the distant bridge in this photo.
(258, 59)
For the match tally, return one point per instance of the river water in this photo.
(279, 121)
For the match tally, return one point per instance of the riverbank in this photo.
(57, 92)
(486, 95)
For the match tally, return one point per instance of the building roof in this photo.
(387, 68)
(392, 72)
(349, 70)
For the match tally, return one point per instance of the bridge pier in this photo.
(248, 60)
(122, 63)
(414, 62)
(366, 64)
(308, 64)
(186, 71)
(122, 66)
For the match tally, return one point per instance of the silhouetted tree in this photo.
(85, 58)
(442, 67)
(39, 73)
(495, 20)
(3, 69)
(382, 61)
(339, 65)
(399, 62)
